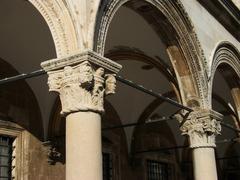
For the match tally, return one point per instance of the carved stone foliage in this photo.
(82, 80)
(202, 126)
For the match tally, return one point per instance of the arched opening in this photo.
(186, 163)
(172, 25)
(114, 145)
(25, 41)
(18, 103)
(156, 142)
(151, 53)
(225, 83)
(27, 47)
(231, 162)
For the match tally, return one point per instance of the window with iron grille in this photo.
(6, 158)
(107, 166)
(158, 170)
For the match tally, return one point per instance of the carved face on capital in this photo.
(110, 84)
(86, 72)
(99, 72)
(216, 126)
(68, 71)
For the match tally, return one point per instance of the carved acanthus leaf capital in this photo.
(202, 126)
(82, 81)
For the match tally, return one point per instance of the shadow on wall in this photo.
(18, 103)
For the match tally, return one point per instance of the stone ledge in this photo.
(76, 58)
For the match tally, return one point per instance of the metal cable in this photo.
(22, 76)
(150, 92)
(120, 79)
(139, 123)
(233, 140)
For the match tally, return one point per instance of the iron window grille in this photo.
(6, 150)
(107, 166)
(158, 170)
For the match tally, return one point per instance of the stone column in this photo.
(82, 80)
(202, 126)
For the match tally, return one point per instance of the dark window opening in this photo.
(107, 166)
(6, 157)
(158, 170)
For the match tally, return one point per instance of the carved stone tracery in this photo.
(81, 81)
(202, 126)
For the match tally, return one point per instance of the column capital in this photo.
(202, 126)
(82, 80)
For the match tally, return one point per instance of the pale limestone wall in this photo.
(210, 32)
(39, 168)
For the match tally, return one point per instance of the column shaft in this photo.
(202, 126)
(83, 146)
(82, 80)
(204, 164)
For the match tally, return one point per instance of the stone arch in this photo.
(19, 104)
(228, 111)
(153, 136)
(225, 52)
(187, 159)
(60, 24)
(114, 141)
(187, 54)
(111, 119)
(231, 162)
(21, 120)
(168, 73)
(228, 56)
(56, 126)
(145, 115)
